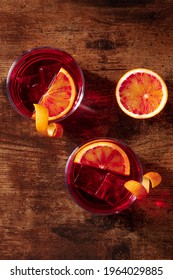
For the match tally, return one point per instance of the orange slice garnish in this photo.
(60, 97)
(42, 126)
(104, 155)
(141, 190)
(141, 93)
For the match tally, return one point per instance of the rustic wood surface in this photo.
(38, 219)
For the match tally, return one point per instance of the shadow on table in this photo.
(99, 114)
(147, 223)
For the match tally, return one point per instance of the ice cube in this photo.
(31, 93)
(111, 188)
(27, 81)
(89, 179)
(47, 73)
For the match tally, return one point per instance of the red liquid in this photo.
(98, 190)
(30, 77)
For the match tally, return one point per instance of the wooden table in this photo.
(38, 218)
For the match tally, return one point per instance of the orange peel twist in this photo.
(42, 123)
(141, 190)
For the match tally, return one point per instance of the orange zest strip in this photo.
(154, 178)
(41, 120)
(146, 183)
(141, 190)
(55, 130)
(136, 188)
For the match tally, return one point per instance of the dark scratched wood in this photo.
(38, 219)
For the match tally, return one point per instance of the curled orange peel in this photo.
(55, 130)
(154, 178)
(141, 190)
(136, 188)
(42, 125)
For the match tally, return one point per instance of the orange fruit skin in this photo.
(104, 155)
(56, 103)
(141, 190)
(141, 93)
(41, 118)
(60, 97)
(55, 130)
(154, 178)
(136, 188)
(42, 126)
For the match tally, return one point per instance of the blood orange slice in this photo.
(60, 97)
(104, 155)
(141, 93)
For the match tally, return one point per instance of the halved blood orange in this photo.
(60, 97)
(141, 93)
(104, 155)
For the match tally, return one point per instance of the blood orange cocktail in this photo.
(96, 173)
(32, 73)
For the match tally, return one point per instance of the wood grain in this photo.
(39, 220)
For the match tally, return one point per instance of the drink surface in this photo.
(31, 75)
(100, 190)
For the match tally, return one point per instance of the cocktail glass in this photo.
(32, 73)
(97, 189)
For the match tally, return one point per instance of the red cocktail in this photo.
(31, 75)
(96, 173)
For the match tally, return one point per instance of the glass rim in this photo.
(131, 198)
(45, 47)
